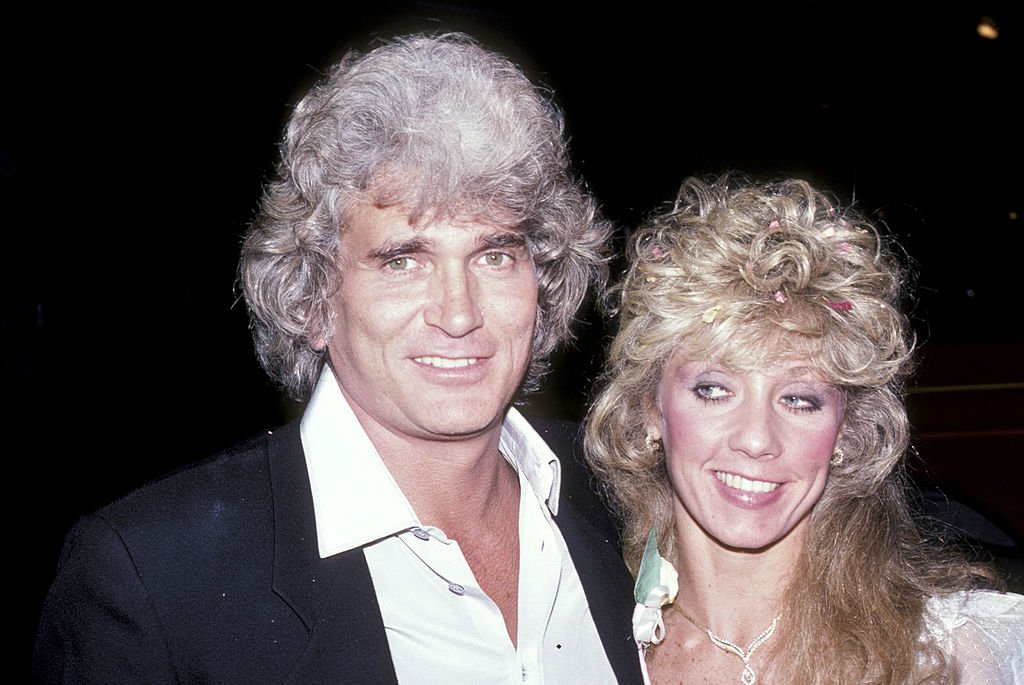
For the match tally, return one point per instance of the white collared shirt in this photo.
(441, 626)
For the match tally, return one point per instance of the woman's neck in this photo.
(734, 593)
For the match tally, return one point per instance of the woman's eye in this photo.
(710, 392)
(802, 402)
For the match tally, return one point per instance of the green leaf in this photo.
(650, 569)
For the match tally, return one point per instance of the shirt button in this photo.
(421, 534)
(456, 589)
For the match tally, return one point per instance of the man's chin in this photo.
(465, 423)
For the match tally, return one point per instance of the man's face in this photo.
(433, 325)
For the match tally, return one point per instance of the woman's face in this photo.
(747, 452)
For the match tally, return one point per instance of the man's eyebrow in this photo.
(504, 239)
(389, 251)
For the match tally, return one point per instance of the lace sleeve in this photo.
(984, 633)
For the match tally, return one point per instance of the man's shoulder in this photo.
(561, 435)
(239, 470)
(565, 438)
(203, 526)
(211, 571)
(579, 488)
(211, 504)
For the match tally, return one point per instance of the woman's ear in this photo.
(653, 419)
(842, 429)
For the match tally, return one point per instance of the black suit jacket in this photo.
(212, 575)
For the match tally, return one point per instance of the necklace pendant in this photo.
(747, 677)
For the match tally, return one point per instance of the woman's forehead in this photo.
(792, 354)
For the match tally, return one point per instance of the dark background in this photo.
(133, 148)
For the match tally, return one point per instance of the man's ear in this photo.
(317, 330)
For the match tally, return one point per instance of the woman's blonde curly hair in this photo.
(748, 273)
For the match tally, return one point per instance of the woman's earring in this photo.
(653, 445)
(837, 457)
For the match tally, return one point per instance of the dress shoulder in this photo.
(983, 631)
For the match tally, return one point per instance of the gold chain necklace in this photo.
(748, 676)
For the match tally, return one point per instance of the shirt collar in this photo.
(355, 498)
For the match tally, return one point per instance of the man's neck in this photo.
(449, 480)
(468, 490)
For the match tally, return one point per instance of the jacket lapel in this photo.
(593, 545)
(608, 587)
(334, 597)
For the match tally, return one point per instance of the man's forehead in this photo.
(397, 223)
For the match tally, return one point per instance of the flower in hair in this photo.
(780, 297)
(656, 252)
(841, 306)
(844, 247)
(828, 232)
(709, 314)
(774, 227)
(657, 583)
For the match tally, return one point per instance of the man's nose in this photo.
(454, 301)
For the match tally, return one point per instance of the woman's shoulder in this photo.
(983, 631)
(957, 607)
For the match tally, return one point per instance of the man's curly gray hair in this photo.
(442, 128)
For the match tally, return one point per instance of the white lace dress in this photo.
(984, 632)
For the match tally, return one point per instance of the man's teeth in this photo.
(741, 483)
(446, 363)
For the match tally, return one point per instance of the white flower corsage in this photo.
(656, 585)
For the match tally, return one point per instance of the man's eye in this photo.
(497, 259)
(401, 263)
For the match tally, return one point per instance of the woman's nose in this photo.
(755, 432)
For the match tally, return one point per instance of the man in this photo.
(421, 252)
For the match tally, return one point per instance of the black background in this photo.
(134, 147)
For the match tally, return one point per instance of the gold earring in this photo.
(837, 457)
(652, 444)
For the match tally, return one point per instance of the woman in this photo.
(752, 417)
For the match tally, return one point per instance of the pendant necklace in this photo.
(748, 677)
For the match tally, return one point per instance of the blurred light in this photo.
(988, 29)
(1014, 215)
